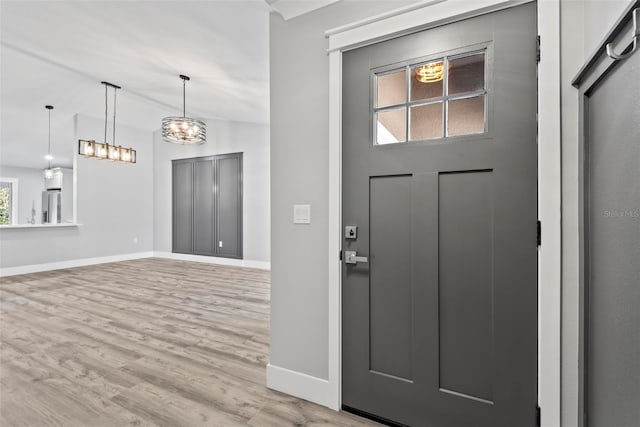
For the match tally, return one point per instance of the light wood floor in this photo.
(149, 342)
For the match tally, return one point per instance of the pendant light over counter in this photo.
(184, 130)
(104, 150)
(49, 172)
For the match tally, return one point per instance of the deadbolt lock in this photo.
(351, 232)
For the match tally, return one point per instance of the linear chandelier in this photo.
(184, 130)
(104, 150)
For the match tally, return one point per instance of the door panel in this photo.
(182, 207)
(440, 325)
(229, 207)
(391, 229)
(204, 207)
(465, 288)
(613, 234)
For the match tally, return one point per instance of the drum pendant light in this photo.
(431, 72)
(184, 130)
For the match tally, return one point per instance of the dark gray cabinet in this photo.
(207, 206)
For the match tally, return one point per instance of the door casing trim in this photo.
(424, 15)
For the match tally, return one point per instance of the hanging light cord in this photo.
(115, 92)
(106, 110)
(184, 97)
(49, 152)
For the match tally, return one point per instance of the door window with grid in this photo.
(431, 100)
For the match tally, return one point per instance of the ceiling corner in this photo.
(290, 9)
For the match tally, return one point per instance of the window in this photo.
(430, 100)
(8, 201)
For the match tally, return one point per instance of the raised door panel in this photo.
(613, 234)
(229, 206)
(204, 206)
(183, 207)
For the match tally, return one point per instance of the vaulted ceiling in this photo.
(58, 52)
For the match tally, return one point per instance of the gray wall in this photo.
(299, 174)
(584, 25)
(222, 137)
(115, 206)
(30, 188)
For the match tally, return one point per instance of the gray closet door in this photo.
(229, 206)
(207, 206)
(182, 207)
(204, 207)
(610, 234)
(613, 248)
(440, 322)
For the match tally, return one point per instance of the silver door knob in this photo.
(350, 257)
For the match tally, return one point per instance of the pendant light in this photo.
(49, 172)
(431, 72)
(184, 130)
(104, 150)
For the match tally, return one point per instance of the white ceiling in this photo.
(57, 52)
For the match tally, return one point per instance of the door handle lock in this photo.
(350, 257)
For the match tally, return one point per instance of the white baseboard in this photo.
(36, 268)
(301, 385)
(264, 265)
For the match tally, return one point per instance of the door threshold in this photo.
(372, 417)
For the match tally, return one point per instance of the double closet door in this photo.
(207, 206)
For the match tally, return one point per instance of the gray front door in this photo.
(439, 212)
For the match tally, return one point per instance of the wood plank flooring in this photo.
(150, 342)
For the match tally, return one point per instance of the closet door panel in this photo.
(204, 207)
(229, 206)
(182, 215)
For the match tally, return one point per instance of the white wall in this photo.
(222, 137)
(125, 208)
(300, 174)
(30, 188)
(584, 25)
(115, 206)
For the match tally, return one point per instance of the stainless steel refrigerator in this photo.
(52, 197)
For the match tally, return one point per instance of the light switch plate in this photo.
(302, 214)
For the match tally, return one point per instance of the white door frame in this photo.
(424, 15)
